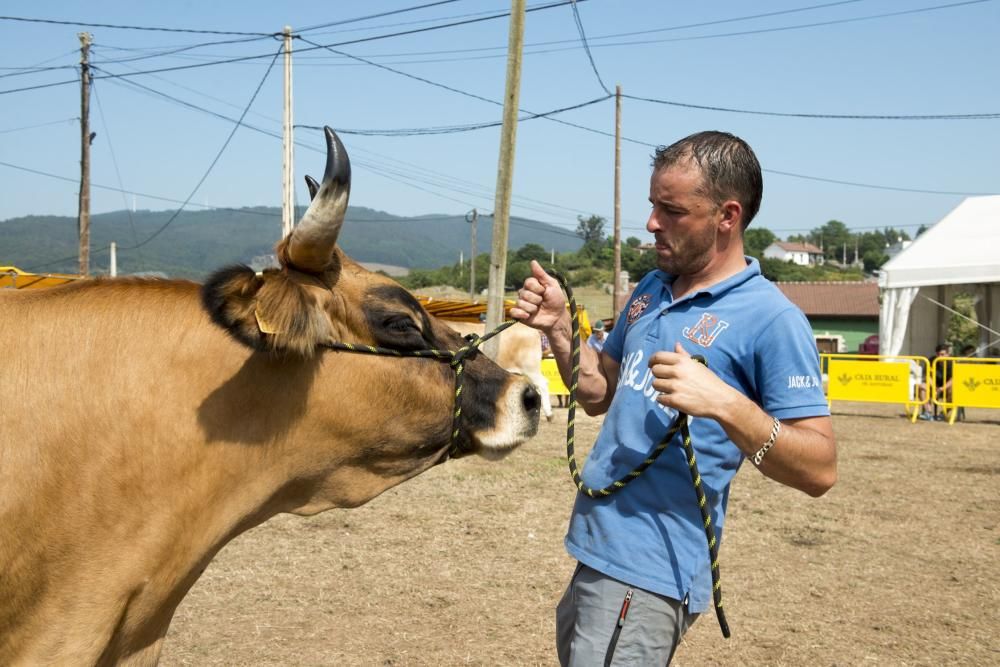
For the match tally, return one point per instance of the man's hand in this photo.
(687, 385)
(540, 302)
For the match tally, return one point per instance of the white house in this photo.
(803, 254)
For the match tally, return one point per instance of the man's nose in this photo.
(652, 224)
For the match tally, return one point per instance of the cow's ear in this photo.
(267, 312)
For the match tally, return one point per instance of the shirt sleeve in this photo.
(788, 370)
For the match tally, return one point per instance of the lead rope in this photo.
(454, 359)
(680, 424)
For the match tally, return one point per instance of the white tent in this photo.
(959, 254)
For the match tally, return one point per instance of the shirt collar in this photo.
(752, 270)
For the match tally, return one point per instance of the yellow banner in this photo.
(976, 385)
(551, 372)
(871, 381)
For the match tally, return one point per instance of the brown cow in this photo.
(520, 351)
(147, 423)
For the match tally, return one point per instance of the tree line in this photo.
(849, 256)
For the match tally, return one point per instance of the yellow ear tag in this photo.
(263, 325)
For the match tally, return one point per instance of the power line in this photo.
(452, 129)
(817, 24)
(782, 114)
(33, 70)
(132, 27)
(266, 55)
(586, 47)
(217, 155)
(175, 50)
(31, 127)
(133, 192)
(375, 16)
(118, 173)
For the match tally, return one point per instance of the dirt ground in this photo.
(897, 565)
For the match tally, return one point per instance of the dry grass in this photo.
(897, 565)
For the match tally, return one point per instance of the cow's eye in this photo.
(401, 324)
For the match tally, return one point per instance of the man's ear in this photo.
(732, 216)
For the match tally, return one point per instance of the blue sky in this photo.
(796, 63)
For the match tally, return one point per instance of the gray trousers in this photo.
(595, 627)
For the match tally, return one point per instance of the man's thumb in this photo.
(679, 349)
(539, 273)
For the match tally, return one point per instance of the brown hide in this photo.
(520, 351)
(141, 432)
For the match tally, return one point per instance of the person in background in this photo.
(596, 339)
(942, 378)
(918, 390)
(968, 351)
(643, 574)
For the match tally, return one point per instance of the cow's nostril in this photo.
(531, 400)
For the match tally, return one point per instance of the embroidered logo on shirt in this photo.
(706, 330)
(635, 308)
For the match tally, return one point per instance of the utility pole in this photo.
(113, 268)
(616, 290)
(287, 184)
(83, 219)
(505, 175)
(472, 216)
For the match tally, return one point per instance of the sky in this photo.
(833, 97)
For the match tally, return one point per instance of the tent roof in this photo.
(12, 277)
(961, 248)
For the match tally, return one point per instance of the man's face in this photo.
(683, 221)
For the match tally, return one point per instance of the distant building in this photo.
(803, 254)
(897, 247)
(842, 314)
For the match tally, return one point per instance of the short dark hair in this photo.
(942, 347)
(727, 163)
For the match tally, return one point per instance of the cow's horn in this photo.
(313, 239)
(313, 187)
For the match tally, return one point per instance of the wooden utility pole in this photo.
(505, 176)
(83, 219)
(472, 217)
(287, 184)
(616, 290)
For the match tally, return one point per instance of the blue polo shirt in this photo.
(650, 534)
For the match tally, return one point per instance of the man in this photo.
(597, 335)
(760, 395)
(942, 378)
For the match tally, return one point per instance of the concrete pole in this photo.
(83, 215)
(616, 295)
(114, 260)
(472, 218)
(288, 141)
(505, 177)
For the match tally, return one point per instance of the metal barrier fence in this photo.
(965, 382)
(949, 383)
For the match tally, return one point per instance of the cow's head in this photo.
(319, 296)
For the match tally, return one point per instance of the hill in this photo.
(198, 242)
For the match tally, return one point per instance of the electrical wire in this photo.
(453, 129)
(173, 50)
(217, 156)
(358, 19)
(586, 47)
(131, 27)
(781, 114)
(31, 127)
(118, 173)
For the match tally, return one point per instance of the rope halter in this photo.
(456, 359)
